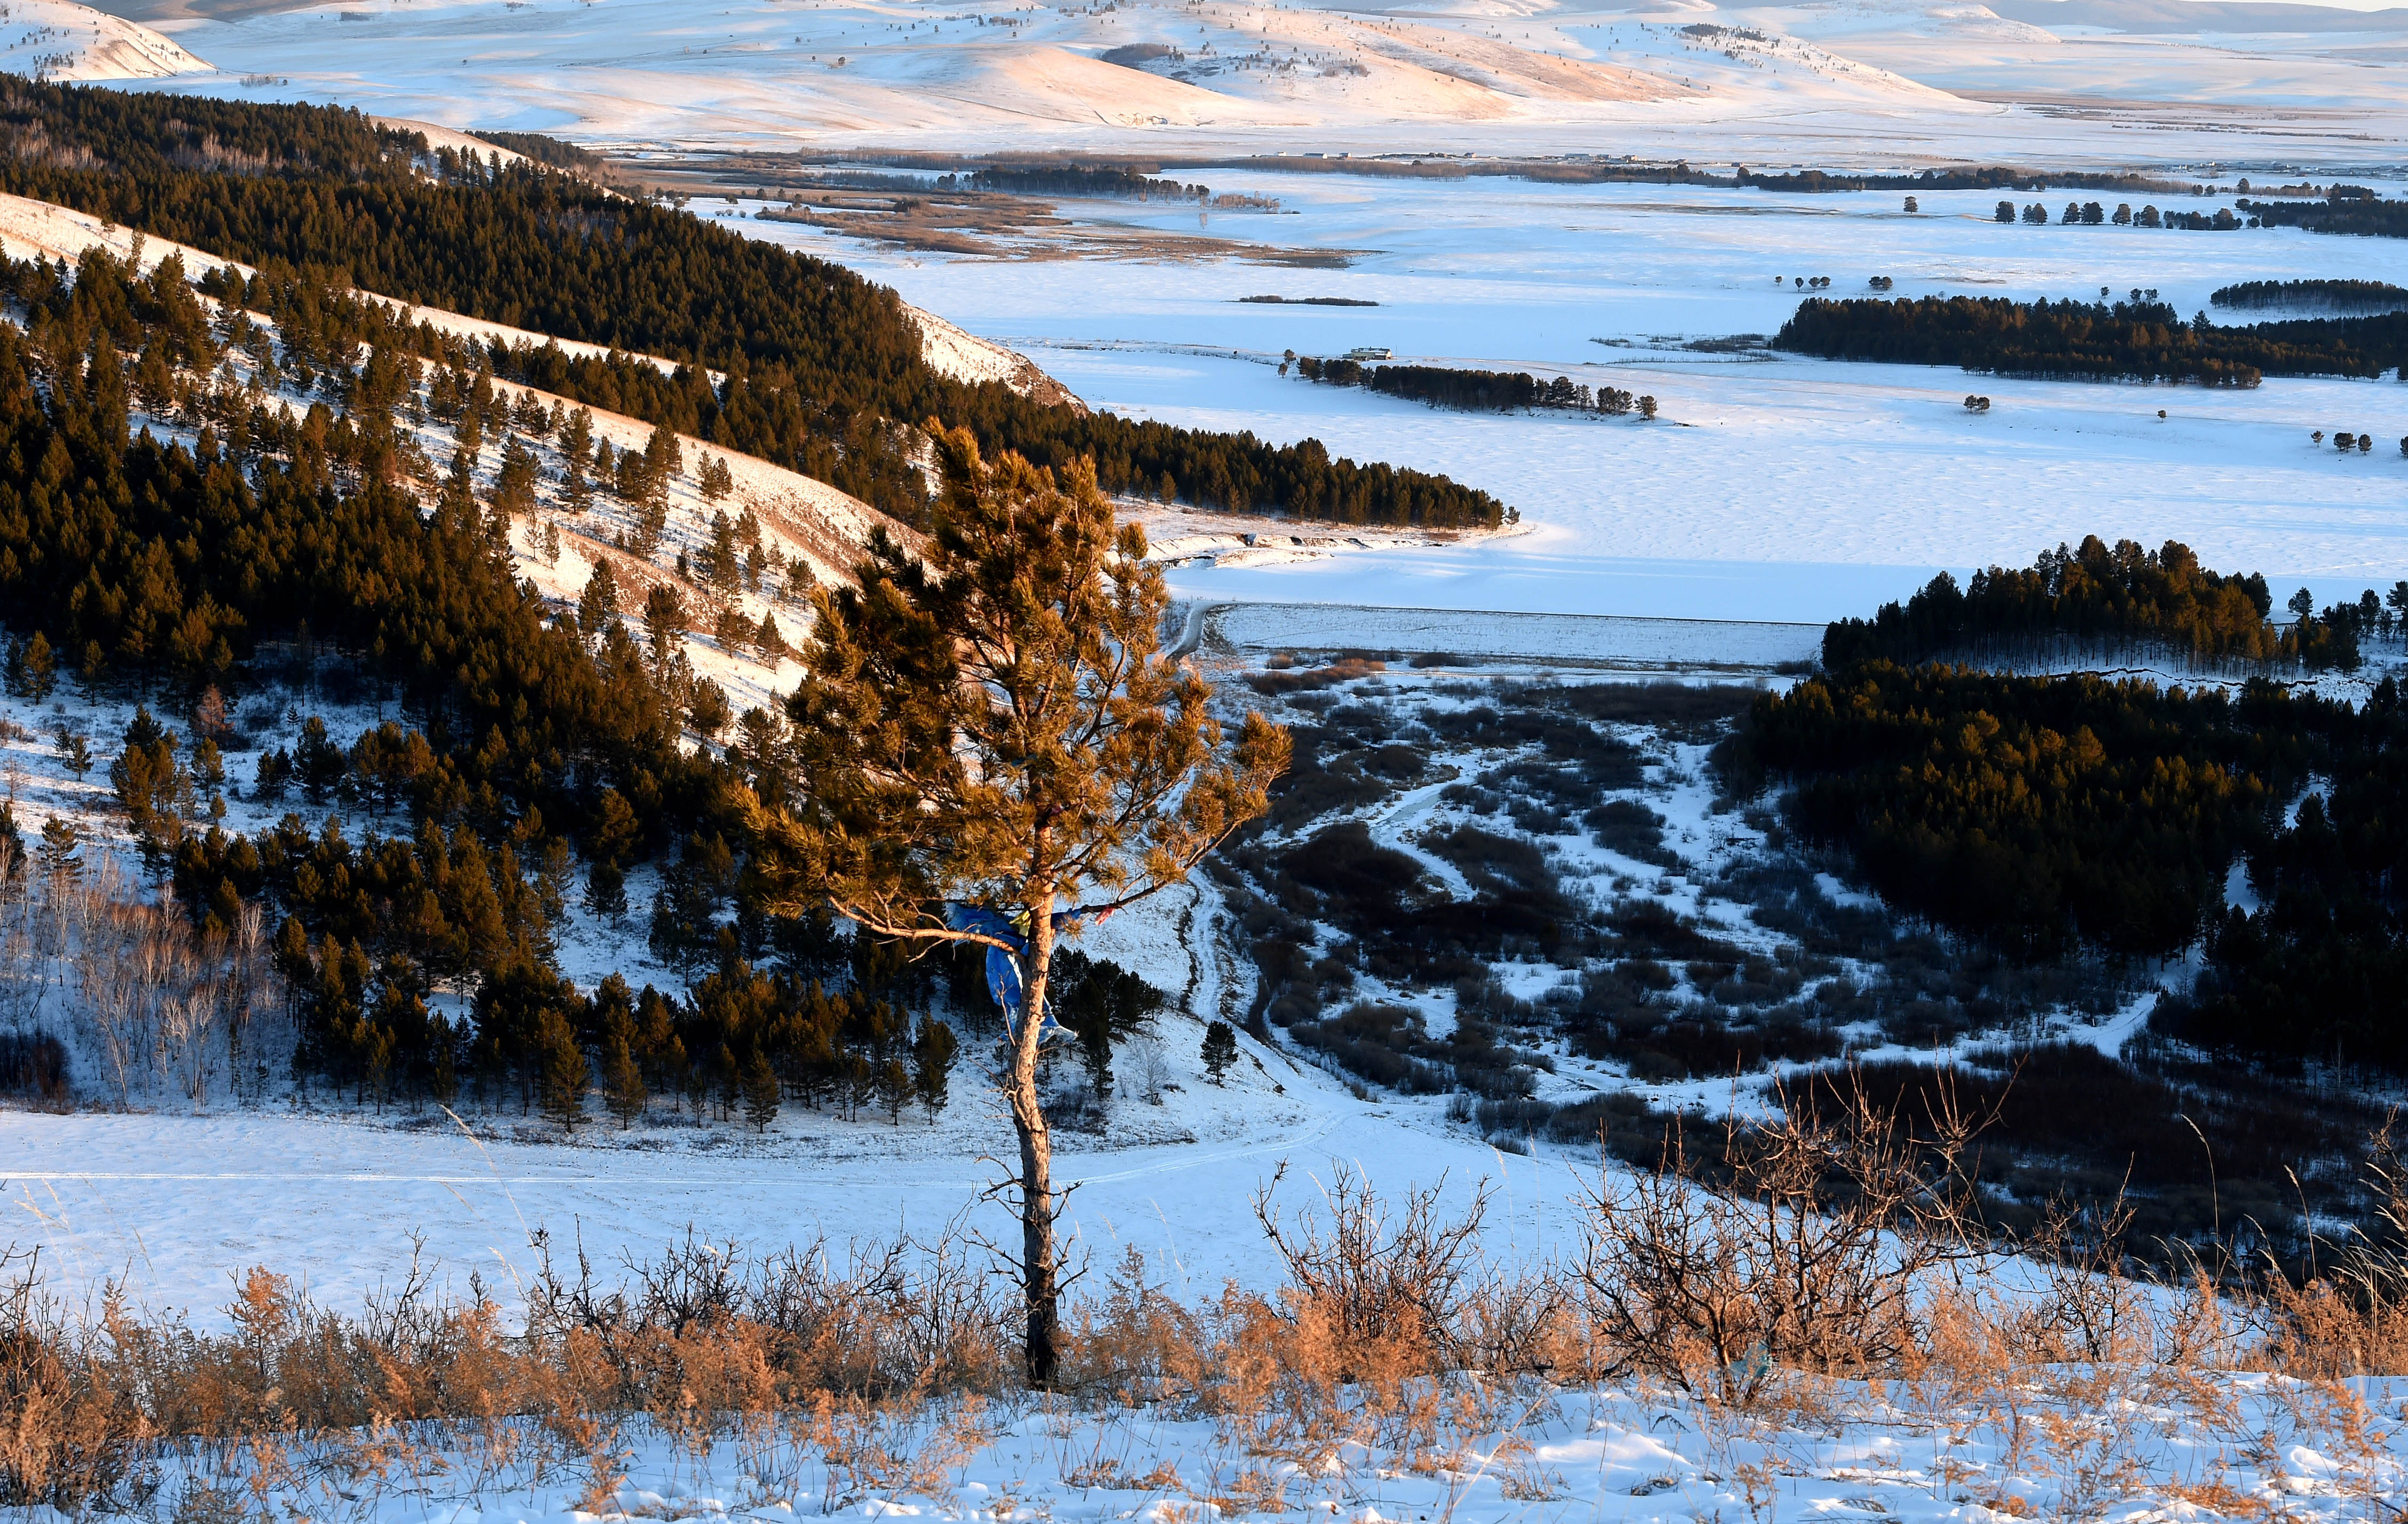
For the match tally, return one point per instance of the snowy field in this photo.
(2079, 1441)
(1780, 488)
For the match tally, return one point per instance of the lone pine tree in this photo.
(989, 722)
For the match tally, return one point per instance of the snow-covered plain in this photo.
(1773, 487)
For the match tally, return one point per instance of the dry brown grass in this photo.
(1392, 1347)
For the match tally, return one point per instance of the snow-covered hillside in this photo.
(1882, 82)
(58, 39)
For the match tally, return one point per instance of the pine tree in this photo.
(1220, 1050)
(894, 1088)
(562, 1076)
(721, 568)
(514, 486)
(443, 1081)
(605, 888)
(665, 623)
(598, 604)
(575, 447)
(989, 715)
(650, 480)
(760, 1092)
(58, 851)
(623, 1083)
(39, 666)
(932, 1048)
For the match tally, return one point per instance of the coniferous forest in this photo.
(176, 535)
(2136, 338)
(2104, 603)
(816, 366)
(1473, 391)
(2041, 814)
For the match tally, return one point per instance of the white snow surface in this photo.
(1912, 1451)
(1844, 83)
(965, 357)
(58, 39)
(1773, 487)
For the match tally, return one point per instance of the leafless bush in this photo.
(159, 1010)
(1805, 1245)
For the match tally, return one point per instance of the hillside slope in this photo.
(816, 530)
(58, 39)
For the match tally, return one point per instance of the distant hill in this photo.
(2181, 17)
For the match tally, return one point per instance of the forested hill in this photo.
(822, 365)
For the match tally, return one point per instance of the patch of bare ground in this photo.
(1022, 228)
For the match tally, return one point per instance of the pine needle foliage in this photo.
(989, 720)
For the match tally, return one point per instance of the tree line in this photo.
(2337, 296)
(2101, 600)
(2347, 209)
(819, 366)
(1102, 181)
(1473, 391)
(2136, 338)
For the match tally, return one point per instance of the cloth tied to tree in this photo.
(1002, 967)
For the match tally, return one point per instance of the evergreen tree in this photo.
(59, 846)
(895, 1089)
(760, 1091)
(443, 1076)
(605, 888)
(598, 604)
(989, 717)
(721, 569)
(1221, 1048)
(665, 624)
(622, 1082)
(932, 1048)
(38, 669)
(576, 448)
(562, 1076)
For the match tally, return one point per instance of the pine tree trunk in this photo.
(1040, 1292)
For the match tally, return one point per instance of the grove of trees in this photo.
(2137, 338)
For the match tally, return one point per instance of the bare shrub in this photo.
(1803, 1243)
(156, 1009)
